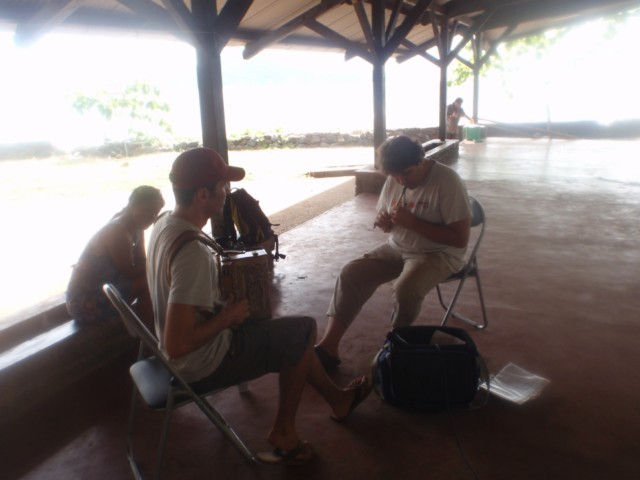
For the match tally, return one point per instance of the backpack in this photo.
(246, 227)
(429, 368)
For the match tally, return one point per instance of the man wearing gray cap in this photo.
(205, 336)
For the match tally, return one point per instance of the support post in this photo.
(444, 53)
(379, 100)
(476, 74)
(214, 132)
(379, 106)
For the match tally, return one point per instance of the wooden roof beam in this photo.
(274, 36)
(409, 22)
(228, 20)
(52, 13)
(184, 19)
(415, 49)
(391, 25)
(146, 8)
(462, 8)
(464, 61)
(155, 14)
(494, 45)
(351, 48)
(436, 33)
(477, 26)
(422, 53)
(364, 24)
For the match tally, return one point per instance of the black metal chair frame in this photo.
(163, 388)
(470, 269)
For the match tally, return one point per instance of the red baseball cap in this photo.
(202, 167)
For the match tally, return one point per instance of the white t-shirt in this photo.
(441, 199)
(194, 281)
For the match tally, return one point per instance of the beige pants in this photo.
(415, 275)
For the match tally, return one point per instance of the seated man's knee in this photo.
(349, 270)
(311, 326)
(307, 329)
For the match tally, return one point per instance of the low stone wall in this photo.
(250, 142)
(326, 139)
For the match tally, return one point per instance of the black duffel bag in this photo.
(429, 368)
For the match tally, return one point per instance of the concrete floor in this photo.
(560, 266)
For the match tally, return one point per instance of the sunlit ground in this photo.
(53, 206)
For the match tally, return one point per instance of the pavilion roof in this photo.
(318, 24)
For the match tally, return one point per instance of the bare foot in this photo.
(284, 442)
(355, 393)
(299, 455)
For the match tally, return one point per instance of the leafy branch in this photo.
(139, 102)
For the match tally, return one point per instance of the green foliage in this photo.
(139, 103)
(537, 45)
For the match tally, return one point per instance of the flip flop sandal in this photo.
(328, 361)
(298, 455)
(362, 390)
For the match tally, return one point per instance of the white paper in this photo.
(515, 384)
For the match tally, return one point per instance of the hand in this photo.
(402, 217)
(383, 220)
(235, 311)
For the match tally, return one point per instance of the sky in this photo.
(588, 75)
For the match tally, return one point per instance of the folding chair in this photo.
(162, 388)
(470, 269)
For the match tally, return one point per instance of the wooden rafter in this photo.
(415, 49)
(184, 19)
(45, 18)
(418, 51)
(480, 60)
(477, 26)
(491, 50)
(364, 24)
(228, 20)
(464, 61)
(274, 36)
(403, 30)
(476, 6)
(393, 19)
(436, 34)
(351, 48)
(378, 25)
(145, 8)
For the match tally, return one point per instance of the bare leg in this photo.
(338, 399)
(356, 283)
(291, 382)
(334, 332)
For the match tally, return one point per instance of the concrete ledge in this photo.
(33, 321)
(333, 172)
(369, 180)
(444, 152)
(54, 360)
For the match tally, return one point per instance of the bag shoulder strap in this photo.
(186, 237)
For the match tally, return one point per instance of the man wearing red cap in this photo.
(204, 335)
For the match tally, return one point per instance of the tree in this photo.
(537, 45)
(139, 105)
